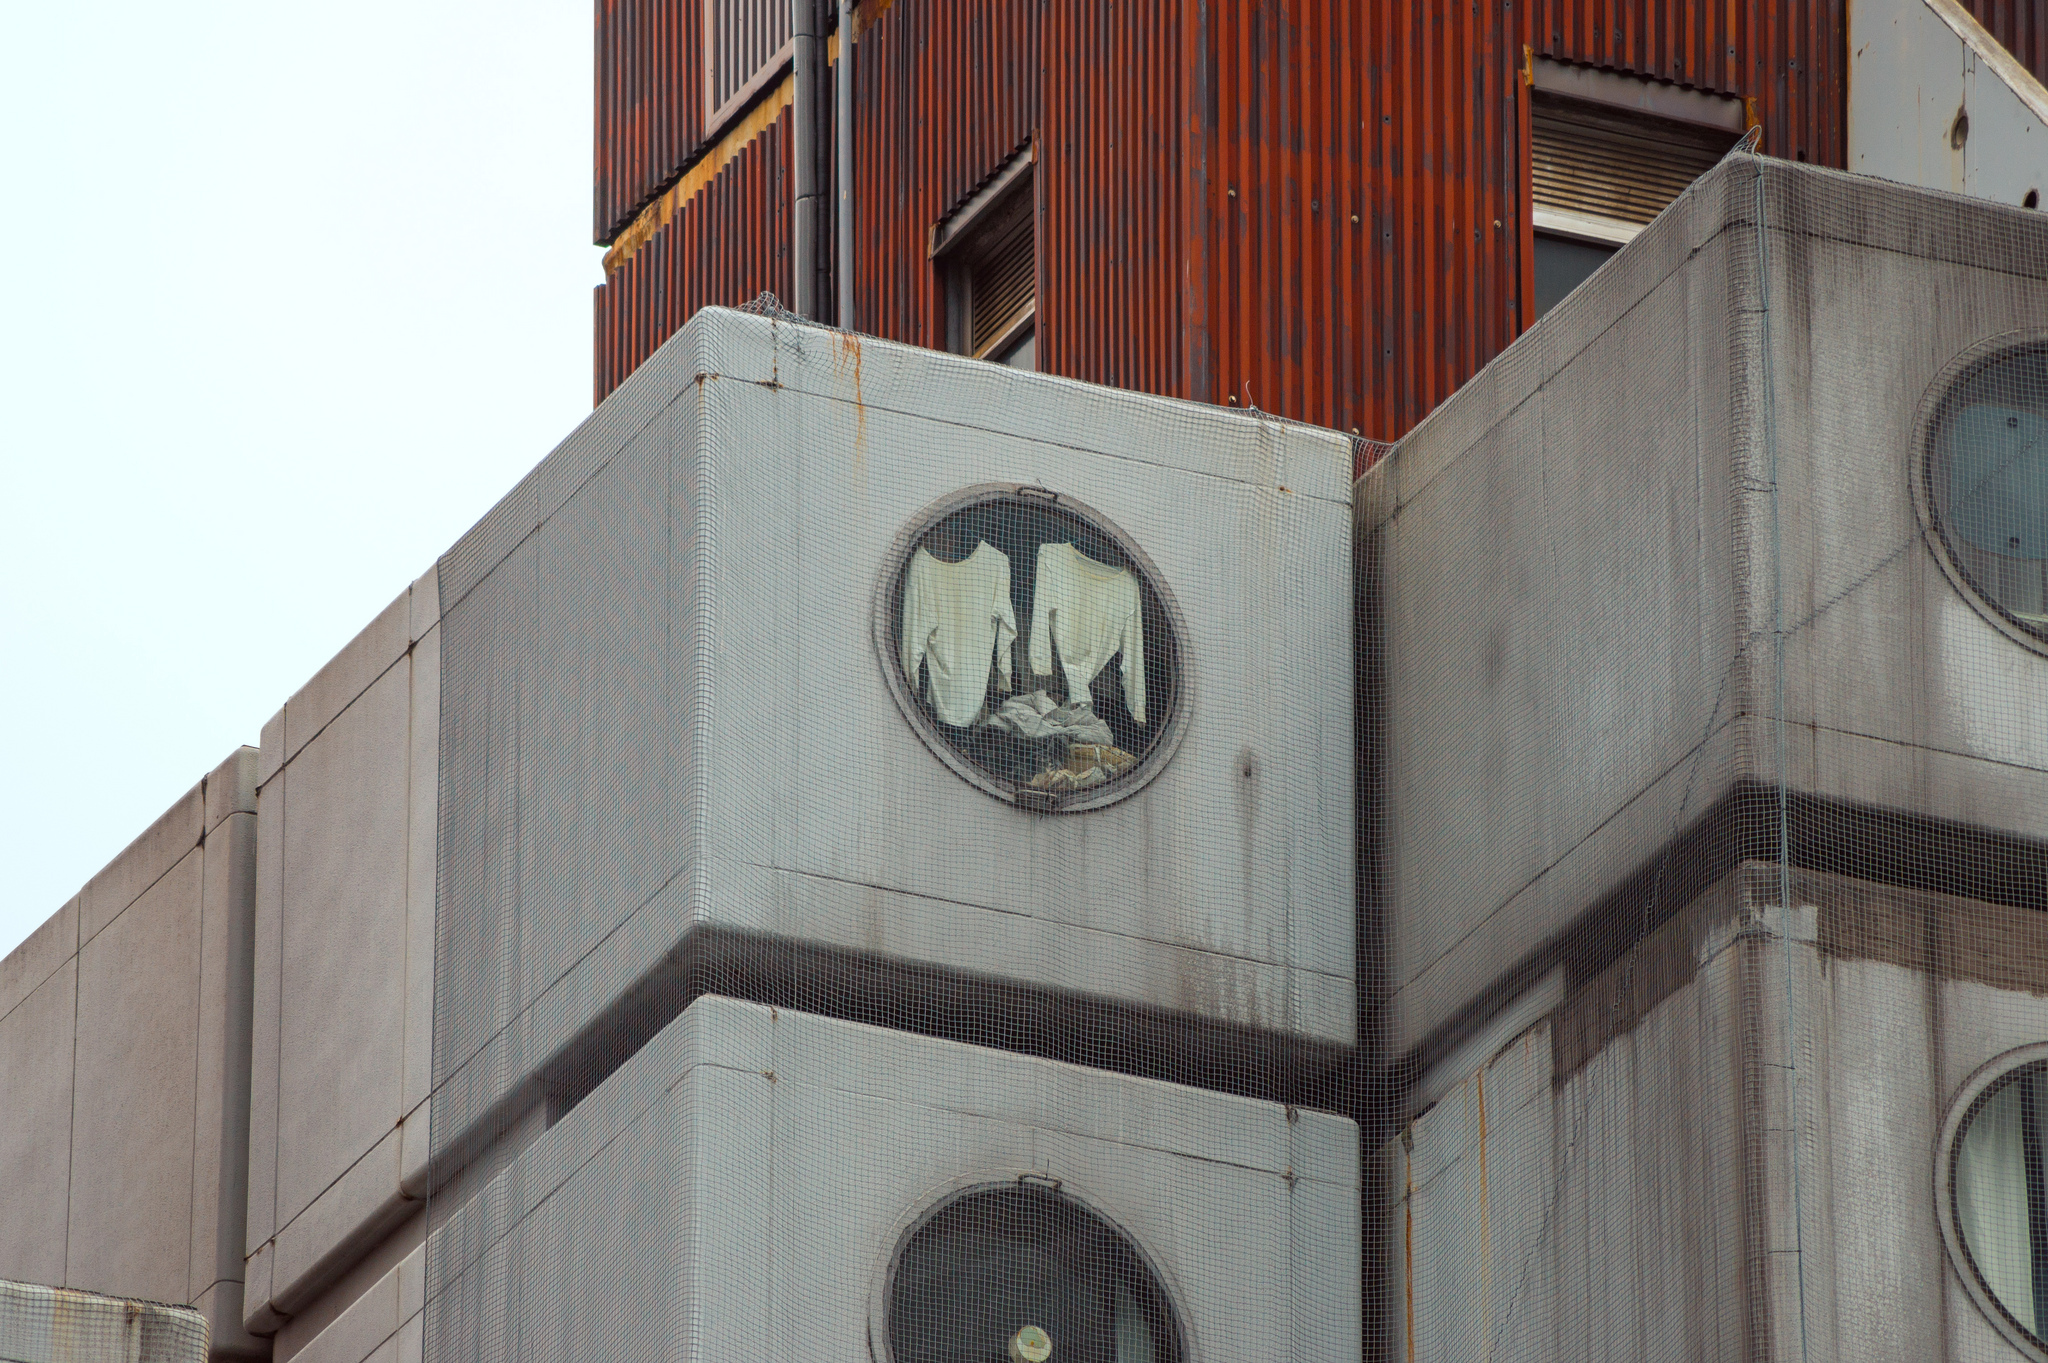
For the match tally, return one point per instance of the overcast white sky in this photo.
(290, 295)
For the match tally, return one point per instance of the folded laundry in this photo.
(1087, 764)
(1038, 715)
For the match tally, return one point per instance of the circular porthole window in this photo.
(1992, 1191)
(1021, 1273)
(1986, 483)
(1034, 647)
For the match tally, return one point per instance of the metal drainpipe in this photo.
(803, 15)
(843, 163)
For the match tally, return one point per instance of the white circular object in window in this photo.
(1991, 1191)
(1023, 1271)
(1983, 489)
(1034, 647)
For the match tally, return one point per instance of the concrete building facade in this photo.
(124, 1042)
(1711, 778)
(866, 852)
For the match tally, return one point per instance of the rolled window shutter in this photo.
(1607, 163)
(1001, 287)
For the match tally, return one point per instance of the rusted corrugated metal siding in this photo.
(1311, 206)
(1280, 170)
(2021, 27)
(724, 246)
(1284, 205)
(1113, 195)
(944, 93)
(1789, 56)
(1447, 127)
(650, 102)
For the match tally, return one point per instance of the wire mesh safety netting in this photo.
(59, 1325)
(1711, 747)
(897, 894)
(944, 864)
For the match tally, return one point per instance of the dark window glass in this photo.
(1562, 264)
(1987, 475)
(2001, 1196)
(1024, 1272)
(1032, 642)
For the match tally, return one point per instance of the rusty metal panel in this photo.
(724, 246)
(1315, 207)
(650, 103)
(1787, 58)
(2021, 28)
(944, 94)
(1447, 193)
(1112, 196)
(1290, 206)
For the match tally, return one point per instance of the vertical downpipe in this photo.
(1782, 756)
(803, 28)
(842, 163)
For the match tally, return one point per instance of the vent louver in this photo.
(1607, 163)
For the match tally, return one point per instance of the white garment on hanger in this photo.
(1092, 611)
(955, 616)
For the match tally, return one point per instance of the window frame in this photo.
(1180, 699)
(1983, 1084)
(1005, 203)
(1935, 407)
(1179, 1347)
(716, 114)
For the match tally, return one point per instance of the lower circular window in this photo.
(1034, 647)
(1022, 1272)
(1992, 1192)
(1986, 481)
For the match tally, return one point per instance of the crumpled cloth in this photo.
(1037, 715)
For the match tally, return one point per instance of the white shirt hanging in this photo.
(956, 616)
(1093, 612)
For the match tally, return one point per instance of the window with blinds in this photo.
(746, 45)
(1591, 161)
(1597, 174)
(1001, 288)
(988, 259)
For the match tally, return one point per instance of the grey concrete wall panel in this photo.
(672, 716)
(38, 1011)
(40, 1324)
(176, 832)
(1567, 1207)
(341, 1026)
(265, 1004)
(133, 1114)
(343, 971)
(38, 956)
(1914, 65)
(1578, 573)
(35, 1140)
(727, 1152)
(422, 826)
(1472, 1178)
(220, 1152)
(126, 1068)
(1722, 1145)
(387, 1315)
